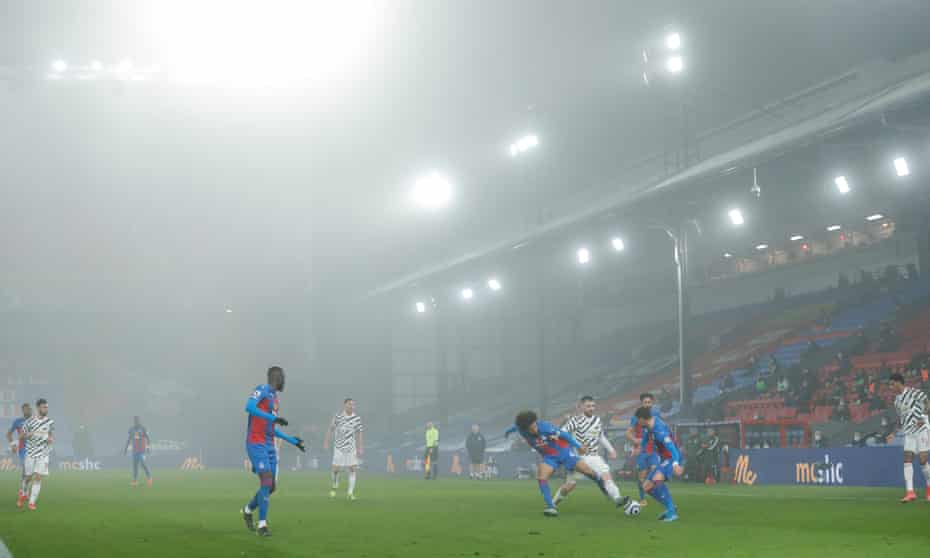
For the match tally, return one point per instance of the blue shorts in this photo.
(22, 457)
(138, 456)
(665, 467)
(646, 461)
(566, 459)
(264, 458)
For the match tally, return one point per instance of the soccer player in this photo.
(39, 431)
(645, 459)
(669, 461)
(19, 446)
(262, 408)
(557, 448)
(475, 445)
(431, 455)
(345, 431)
(589, 431)
(912, 408)
(140, 441)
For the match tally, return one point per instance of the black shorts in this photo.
(476, 458)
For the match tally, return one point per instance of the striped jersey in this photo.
(345, 432)
(912, 412)
(586, 430)
(39, 436)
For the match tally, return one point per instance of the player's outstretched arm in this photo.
(569, 438)
(128, 441)
(510, 431)
(293, 440)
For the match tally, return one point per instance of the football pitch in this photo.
(196, 514)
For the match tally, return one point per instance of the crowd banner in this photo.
(876, 466)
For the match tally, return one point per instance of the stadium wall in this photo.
(823, 467)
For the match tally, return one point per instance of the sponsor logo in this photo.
(86, 465)
(742, 474)
(819, 473)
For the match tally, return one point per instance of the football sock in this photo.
(546, 493)
(34, 494)
(263, 494)
(351, 482)
(909, 476)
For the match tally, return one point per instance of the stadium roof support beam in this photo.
(837, 118)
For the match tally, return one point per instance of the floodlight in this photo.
(494, 284)
(834, 228)
(468, 294)
(727, 255)
(874, 217)
(59, 66)
(675, 64)
(524, 144)
(584, 256)
(842, 184)
(96, 65)
(900, 167)
(736, 217)
(617, 243)
(421, 307)
(796, 237)
(673, 41)
(431, 191)
(761, 247)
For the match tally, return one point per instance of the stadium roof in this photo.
(219, 197)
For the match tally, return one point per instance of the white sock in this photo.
(34, 494)
(558, 496)
(23, 485)
(351, 482)
(926, 469)
(909, 477)
(262, 523)
(335, 476)
(613, 491)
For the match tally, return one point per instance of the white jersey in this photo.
(38, 431)
(912, 411)
(589, 431)
(345, 432)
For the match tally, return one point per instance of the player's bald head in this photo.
(276, 378)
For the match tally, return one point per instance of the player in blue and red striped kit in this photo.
(669, 461)
(646, 458)
(262, 408)
(19, 445)
(139, 442)
(557, 448)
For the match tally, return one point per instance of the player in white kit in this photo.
(39, 432)
(588, 429)
(912, 408)
(346, 434)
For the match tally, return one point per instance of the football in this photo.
(632, 509)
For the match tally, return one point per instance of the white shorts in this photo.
(36, 465)
(345, 459)
(597, 464)
(917, 443)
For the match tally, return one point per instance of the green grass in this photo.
(195, 514)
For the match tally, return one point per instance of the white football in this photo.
(632, 509)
